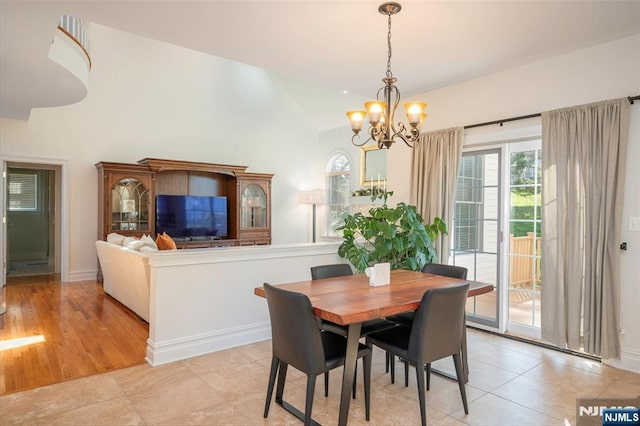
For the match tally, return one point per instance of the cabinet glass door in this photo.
(254, 207)
(129, 206)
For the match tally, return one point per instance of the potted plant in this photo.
(397, 235)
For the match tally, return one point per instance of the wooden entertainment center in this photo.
(127, 198)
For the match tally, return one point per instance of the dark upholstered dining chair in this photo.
(436, 332)
(432, 268)
(298, 341)
(406, 318)
(452, 271)
(339, 270)
(330, 271)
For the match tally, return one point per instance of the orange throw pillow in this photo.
(165, 242)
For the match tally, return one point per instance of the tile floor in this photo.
(511, 383)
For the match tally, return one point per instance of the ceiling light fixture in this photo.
(384, 130)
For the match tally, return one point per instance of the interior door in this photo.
(3, 240)
(30, 221)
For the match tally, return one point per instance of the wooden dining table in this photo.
(350, 300)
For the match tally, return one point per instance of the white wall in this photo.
(629, 265)
(217, 287)
(606, 71)
(151, 99)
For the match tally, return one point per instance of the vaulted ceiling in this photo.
(334, 45)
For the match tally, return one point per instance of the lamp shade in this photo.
(375, 110)
(415, 112)
(356, 118)
(315, 196)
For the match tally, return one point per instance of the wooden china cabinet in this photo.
(127, 195)
(125, 199)
(254, 211)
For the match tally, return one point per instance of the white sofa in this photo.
(125, 274)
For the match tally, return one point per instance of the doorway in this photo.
(32, 216)
(525, 238)
(496, 234)
(477, 243)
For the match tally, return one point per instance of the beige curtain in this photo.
(434, 175)
(583, 159)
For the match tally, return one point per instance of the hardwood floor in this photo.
(85, 332)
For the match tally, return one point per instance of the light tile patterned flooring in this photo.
(511, 383)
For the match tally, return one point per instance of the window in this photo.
(23, 190)
(468, 204)
(338, 184)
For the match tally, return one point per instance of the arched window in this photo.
(338, 176)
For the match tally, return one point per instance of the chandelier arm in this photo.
(396, 102)
(398, 129)
(414, 140)
(410, 138)
(357, 136)
(388, 122)
(377, 132)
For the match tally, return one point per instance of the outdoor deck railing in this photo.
(522, 250)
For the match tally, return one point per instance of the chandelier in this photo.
(381, 112)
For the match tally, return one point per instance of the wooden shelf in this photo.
(158, 165)
(174, 177)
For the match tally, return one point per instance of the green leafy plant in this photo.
(397, 235)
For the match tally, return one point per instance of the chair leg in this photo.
(465, 358)
(428, 371)
(282, 375)
(326, 384)
(421, 392)
(367, 385)
(459, 373)
(387, 362)
(272, 380)
(355, 377)
(393, 368)
(406, 373)
(308, 405)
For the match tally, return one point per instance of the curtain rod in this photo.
(631, 100)
(504, 120)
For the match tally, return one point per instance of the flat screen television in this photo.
(184, 216)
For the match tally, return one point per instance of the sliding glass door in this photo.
(525, 239)
(496, 234)
(476, 230)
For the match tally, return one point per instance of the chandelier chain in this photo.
(389, 73)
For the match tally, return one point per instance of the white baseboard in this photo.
(159, 353)
(629, 360)
(86, 275)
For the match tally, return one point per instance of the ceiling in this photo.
(335, 45)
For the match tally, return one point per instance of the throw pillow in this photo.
(147, 249)
(133, 243)
(114, 238)
(165, 242)
(148, 241)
